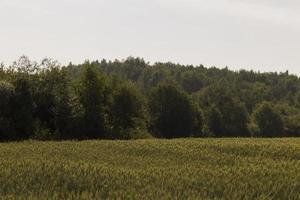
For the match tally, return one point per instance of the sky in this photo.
(262, 35)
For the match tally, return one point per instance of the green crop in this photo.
(151, 169)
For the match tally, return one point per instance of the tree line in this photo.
(131, 99)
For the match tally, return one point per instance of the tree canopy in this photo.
(131, 98)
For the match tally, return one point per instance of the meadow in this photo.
(151, 169)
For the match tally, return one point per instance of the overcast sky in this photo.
(251, 34)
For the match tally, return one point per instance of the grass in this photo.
(151, 169)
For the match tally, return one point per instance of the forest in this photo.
(132, 99)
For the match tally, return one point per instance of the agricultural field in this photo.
(151, 169)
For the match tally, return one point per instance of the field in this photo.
(151, 169)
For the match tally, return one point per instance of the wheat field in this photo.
(151, 169)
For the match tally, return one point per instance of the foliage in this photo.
(128, 112)
(92, 93)
(23, 108)
(172, 112)
(214, 121)
(7, 92)
(267, 120)
(89, 100)
(230, 113)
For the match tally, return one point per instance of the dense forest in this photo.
(132, 99)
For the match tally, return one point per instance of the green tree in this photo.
(93, 98)
(214, 121)
(7, 92)
(173, 113)
(63, 110)
(266, 121)
(191, 81)
(234, 115)
(129, 113)
(52, 100)
(23, 107)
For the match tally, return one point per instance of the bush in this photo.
(292, 126)
(42, 132)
